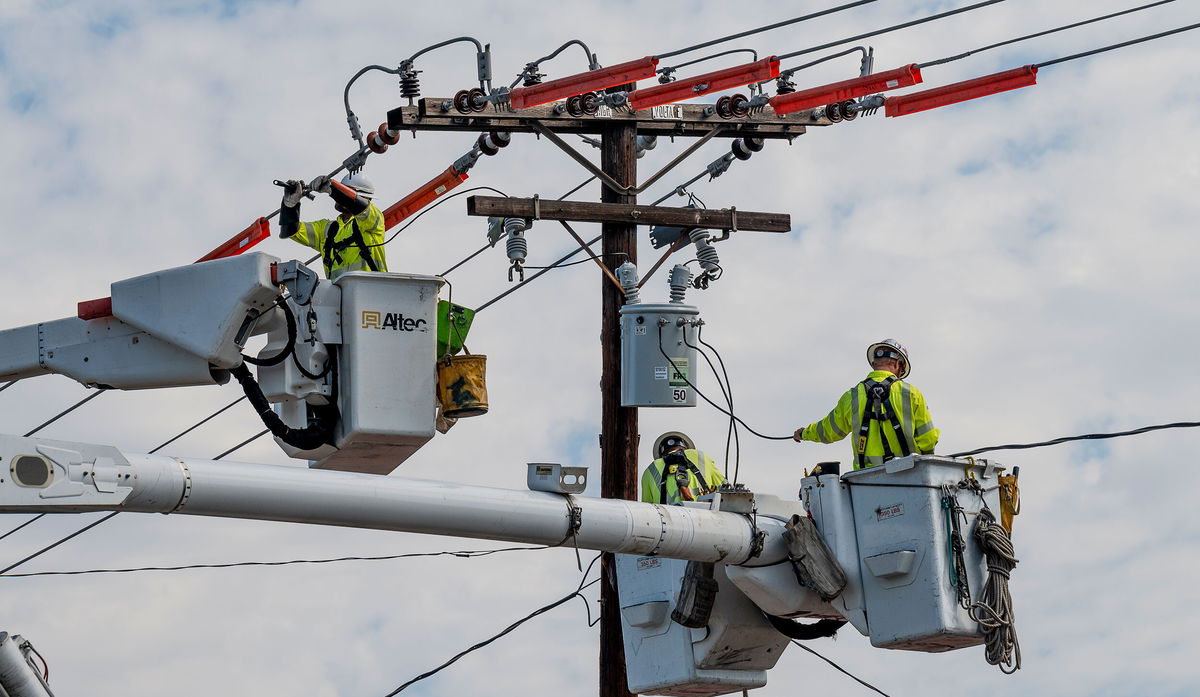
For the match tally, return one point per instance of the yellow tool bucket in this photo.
(462, 385)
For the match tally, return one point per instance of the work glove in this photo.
(321, 185)
(292, 193)
(798, 436)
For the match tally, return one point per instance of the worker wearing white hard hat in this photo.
(351, 242)
(887, 417)
(679, 472)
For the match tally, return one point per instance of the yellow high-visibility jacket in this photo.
(661, 478)
(846, 419)
(344, 252)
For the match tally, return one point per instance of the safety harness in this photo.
(879, 409)
(688, 466)
(332, 253)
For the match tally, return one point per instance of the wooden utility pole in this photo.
(618, 425)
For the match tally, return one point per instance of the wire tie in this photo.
(537, 207)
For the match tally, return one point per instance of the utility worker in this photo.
(351, 242)
(680, 472)
(886, 417)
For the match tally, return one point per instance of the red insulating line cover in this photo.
(846, 89)
(687, 88)
(258, 231)
(640, 69)
(95, 309)
(961, 91)
(422, 197)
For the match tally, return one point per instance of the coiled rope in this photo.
(994, 611)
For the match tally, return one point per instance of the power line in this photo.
(768, 27)
(51, 546)
(198, 424)
(860, 681)
(892, 28)
(248, 441)
(1088, 436)
(68, 410)
(949, 59)
(1123, 44)
(540, 611)
(31, 520)
(465, 554)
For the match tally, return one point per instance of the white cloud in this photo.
(1033, 249)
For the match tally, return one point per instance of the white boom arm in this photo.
(54, 476)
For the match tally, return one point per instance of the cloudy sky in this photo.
(1034, 250)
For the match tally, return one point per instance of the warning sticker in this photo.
(660, 372)
(885, 512)
(679, 372)
(604, 111)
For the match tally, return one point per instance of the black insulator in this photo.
(589, 103)
(501, 138)
(478, 99)
(741, 150)
(848, 113)
(410, 85)
(739, 105)
(532, 79)
(754, 144)
(833, 112)
(462, 102)
(486, 145)
(784, 86)
(574, 107)
(722, 107)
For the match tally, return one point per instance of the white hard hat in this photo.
(360, 183)
(671, 440)
(890, 348)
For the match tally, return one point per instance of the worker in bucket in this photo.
(351, 242)
(680, 472)
(886, 417)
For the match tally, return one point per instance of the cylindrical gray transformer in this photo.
(648, 378)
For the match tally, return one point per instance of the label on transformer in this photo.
(644, 563)
(679, 372)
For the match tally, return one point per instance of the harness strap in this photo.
(878, 410)
(333, 249)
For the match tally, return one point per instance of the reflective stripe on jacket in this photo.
(652, 478)
(347, 256)
(846, 419)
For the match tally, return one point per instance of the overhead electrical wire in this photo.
(464, 554)
(68, 410)
(31, 520)
(769, 27)
(1064, 27)
(1123, 44)
(840, 669)
(583, 584)
(892, 28)
(1087, 436)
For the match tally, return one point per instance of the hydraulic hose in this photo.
(291, 344)
(308, 438)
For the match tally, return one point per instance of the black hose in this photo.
(291, 344)
(309, 438)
